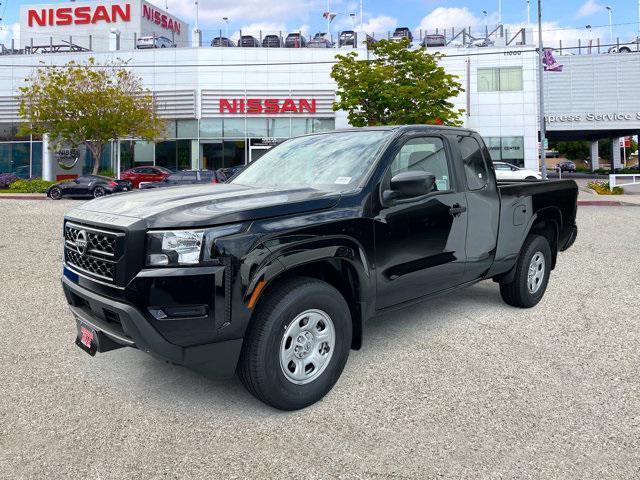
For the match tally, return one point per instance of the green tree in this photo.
(397, 86)
(88, 104)
(572, 149)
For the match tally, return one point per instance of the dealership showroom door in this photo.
(216, 154)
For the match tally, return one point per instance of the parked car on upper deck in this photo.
(347, 38)
(154, 42)
(319, 41)
(435, 40)
(248, 41)
(222, 42)
(402, 32)
(632, 46)
(272, 41)
(295, 40)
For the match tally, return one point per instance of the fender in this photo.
(553, 215)
(317, 255)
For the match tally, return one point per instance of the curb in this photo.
(22, 197)
(600, 203)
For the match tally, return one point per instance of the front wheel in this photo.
(98, 192)
(55, 193)
(531, 276)
(297, 345)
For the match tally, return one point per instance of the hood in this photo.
(205, 205)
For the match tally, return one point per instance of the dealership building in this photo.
(227, 106)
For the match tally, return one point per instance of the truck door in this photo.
(484, 207)
(420, 244)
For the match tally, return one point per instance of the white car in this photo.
(506, 171)
(155, 42)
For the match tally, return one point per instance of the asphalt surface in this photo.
(461, 387)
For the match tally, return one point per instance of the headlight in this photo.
(184, 247)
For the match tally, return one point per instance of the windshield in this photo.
(337, 160)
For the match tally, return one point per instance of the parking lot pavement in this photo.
(461, 387)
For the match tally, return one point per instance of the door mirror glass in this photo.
(410, 184)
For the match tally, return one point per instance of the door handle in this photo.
(457, 209)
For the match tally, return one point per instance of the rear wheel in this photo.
(55, 193)
(98, 192)
(531, 276)
(297, 345)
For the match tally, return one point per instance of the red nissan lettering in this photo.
(63, 16)
(101, 13)
(82, 15)
(271, 105)
(254, 105)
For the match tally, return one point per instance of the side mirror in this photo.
(410, 184)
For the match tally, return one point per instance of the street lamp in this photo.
(226, 26)
(529, 12)
(610, 11)
(543, 126)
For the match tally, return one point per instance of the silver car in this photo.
(154, 42)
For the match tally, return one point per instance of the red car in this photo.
(137, 175)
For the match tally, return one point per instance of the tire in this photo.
(518, 293)
(270, 341)
(55, 193)
(98, 192)
(625, 50)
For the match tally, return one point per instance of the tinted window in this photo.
(424, 154)
(189, 176)
(475, 168)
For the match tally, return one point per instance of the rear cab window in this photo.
(475, 166)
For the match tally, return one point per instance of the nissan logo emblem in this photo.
(81, 242)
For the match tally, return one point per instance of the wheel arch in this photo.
(341, 266)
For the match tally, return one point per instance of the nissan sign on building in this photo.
(93, 25)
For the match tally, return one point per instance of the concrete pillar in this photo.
(114, 39)
(616, 161)
(196, 38)
(48, 168)
(195, 155)
(595, 163)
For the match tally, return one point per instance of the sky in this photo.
(564, 19)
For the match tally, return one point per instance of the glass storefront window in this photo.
(257, 127)
(233, 127)
(187, 129)
(170, 130)
(488, 80)
(223, 154)
(300, 126)
(9, 132)
(14, 158)
(211, 128)
(279, 127)
(173, 154)
(513, 150)
(324, 124)
(135, 153)
(506, 149)
(36, 159)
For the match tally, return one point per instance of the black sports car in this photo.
(88, 186)
(186, 177)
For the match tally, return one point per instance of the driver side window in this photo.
(424, 154)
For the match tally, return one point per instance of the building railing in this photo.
(634, 177)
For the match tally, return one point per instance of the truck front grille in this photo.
(93, 252)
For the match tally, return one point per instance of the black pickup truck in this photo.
(275, 273)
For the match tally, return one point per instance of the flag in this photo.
(329, 16)
(549, 62)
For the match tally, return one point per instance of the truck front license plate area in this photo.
(86, 339)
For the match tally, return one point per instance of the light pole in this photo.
(529, 12)
(226, 26)
(610, 11)
(362, 12)
(499, 12)
(543, 129)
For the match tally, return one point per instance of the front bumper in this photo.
(123, 324)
